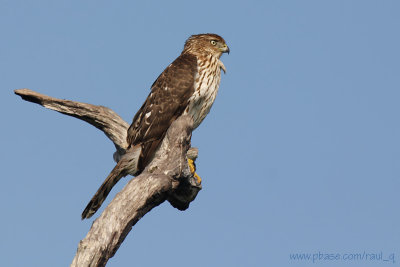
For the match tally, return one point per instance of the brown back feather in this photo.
(168, 99)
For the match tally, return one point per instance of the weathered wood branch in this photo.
(103, 118)
(167, 177)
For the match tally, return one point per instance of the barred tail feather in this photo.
(102, 192)
(127, 165)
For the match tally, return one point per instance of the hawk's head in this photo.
(206, 44)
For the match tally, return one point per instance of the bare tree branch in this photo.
(103, 118)
(163, 179)
(167, 177)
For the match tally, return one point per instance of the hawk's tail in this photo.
(127, 165)
(101, 194)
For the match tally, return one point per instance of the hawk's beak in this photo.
(225, 49)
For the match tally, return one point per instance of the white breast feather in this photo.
(206, 88)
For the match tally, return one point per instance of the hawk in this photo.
(188, 86)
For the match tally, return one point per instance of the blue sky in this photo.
(300, 153)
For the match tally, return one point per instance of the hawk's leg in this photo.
(192, 167)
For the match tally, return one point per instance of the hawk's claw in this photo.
(198, 178)
(192, 167)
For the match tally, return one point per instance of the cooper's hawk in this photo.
(188, 86)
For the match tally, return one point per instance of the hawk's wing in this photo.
(168, 99)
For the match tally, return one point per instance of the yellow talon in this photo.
(198, 178)
(193, 170)
(191, 165)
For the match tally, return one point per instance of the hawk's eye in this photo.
(213, 42)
